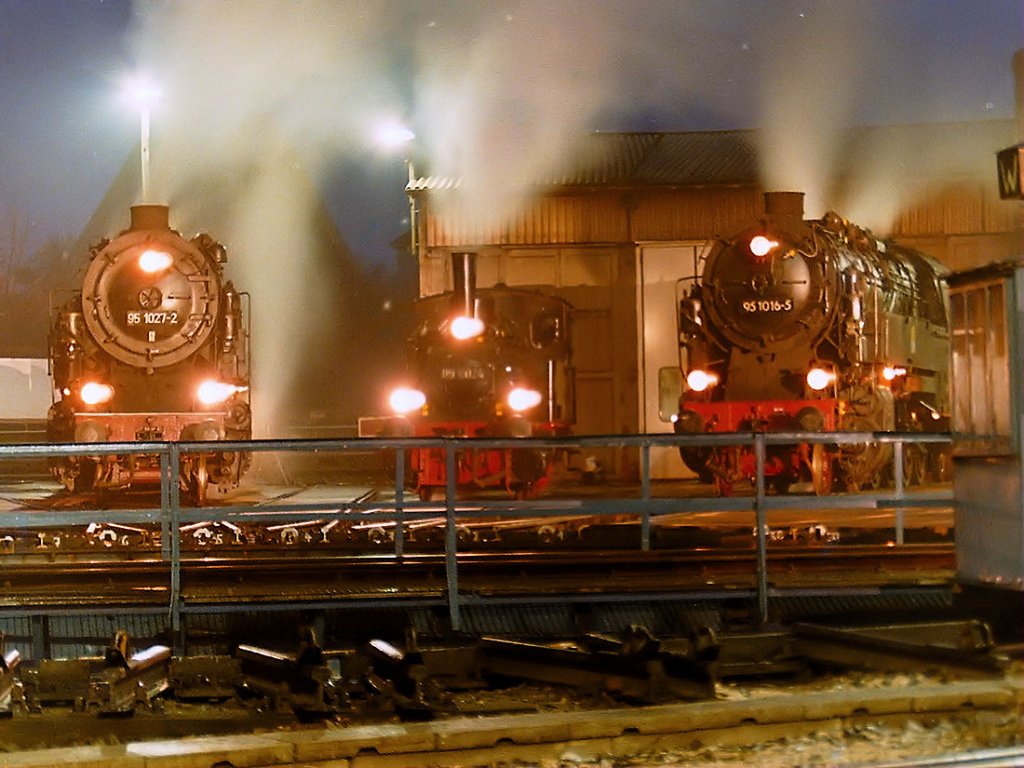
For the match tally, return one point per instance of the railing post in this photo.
(762, 530)
(399, 501)
(166, 544)
(451, 537)
(645, 496)
(170, 487)
(899, 480)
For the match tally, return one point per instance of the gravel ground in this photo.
(858, 744)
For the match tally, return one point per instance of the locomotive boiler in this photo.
(154, 347)
(483, 362)
(810, 326)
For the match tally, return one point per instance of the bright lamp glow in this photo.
(154, 261)
(141, 92)
(406, 400)
(391, 135)
(819, 378)
(761, 245)
(211, 392)
(891, 372)
(699, 380)
(463, 327)
(520, 399)
(94, 393)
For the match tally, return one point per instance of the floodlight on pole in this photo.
(143, 94)
(391, 136)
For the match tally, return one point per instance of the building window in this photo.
(982, 397)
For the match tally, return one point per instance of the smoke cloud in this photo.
(264, 100)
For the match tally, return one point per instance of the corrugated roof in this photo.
(721, 157)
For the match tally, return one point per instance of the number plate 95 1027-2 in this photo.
(152, 318)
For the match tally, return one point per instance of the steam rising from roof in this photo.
(499, 91)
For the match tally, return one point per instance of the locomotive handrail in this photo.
(633, 499)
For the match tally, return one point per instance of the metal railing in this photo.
(404, 510)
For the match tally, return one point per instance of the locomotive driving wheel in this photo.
(821, 470)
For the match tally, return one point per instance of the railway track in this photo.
(276, 577)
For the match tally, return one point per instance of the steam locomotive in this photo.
(154, 347)
(489, 362)
(813, 326)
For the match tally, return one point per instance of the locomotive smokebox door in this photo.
(987, 329)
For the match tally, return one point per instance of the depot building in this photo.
(616, 232)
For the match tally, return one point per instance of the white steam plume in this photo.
(257, 99)
(813, 69)
(502, 98)
(263, 97)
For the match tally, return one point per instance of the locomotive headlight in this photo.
(819, 378)
(406, 400)
(464, 327)
(212, 392)
(94, 393)
(761, 246)
(521, 399)
(892, 372)
(154, 261)
(698, 380)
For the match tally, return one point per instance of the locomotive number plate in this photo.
(768, 305)
(152, 318)
(462, 374)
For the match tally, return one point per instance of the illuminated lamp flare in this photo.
(406, 400)
(154, 261)
(819, 378)
(463, 327)
(890, 372)
(94, 393)
(761, 246)
(212, 392)
(699, 380)
(520, 399)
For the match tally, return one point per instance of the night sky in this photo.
(471, 78)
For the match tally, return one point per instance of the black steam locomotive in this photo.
(813, 326)
(487, 362)
(155, 347)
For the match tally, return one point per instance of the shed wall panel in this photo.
(531, 269)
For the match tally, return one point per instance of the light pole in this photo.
(144, 95)
(391, 136)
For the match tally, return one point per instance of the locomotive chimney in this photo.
(150, 217)
(464, 282)
(784, 204)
